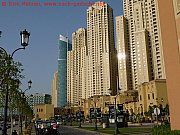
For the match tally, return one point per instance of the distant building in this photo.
(38, 98)
(54, 89)
(64, 47)
(44, 111)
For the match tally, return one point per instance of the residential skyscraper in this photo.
(54, 87)
(124, 53)
(77, 67)
(64, 47)
(101, 53)
(145, 40)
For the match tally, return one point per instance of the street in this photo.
(66, 130)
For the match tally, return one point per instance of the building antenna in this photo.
(66, 34)
(67, 39)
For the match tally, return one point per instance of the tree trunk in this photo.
(11, 113)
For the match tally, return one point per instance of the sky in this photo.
(45, 24)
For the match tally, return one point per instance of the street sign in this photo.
(98, 111)
(95, 112)
(120, 107)
(156, 111)
(107, 104)
(111, 110)
(92, 113)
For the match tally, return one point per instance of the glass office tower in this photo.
(64, 47)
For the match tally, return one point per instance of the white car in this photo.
(59, 122)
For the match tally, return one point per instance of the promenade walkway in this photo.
(33, 131)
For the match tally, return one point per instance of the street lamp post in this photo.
(23, 96)
(95, 112)
(70, 116)
(24, 42)
(115, 104)
(115, 113)
(70, 113)
(79, 118)
(70, 120)
(95, 109)
(162, 110)
(29, 86)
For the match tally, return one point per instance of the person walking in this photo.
(14, 132)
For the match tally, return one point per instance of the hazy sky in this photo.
(45, 24)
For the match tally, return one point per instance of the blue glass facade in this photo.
(64, 46)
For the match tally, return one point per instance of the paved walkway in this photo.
(33, 131)
(71, 130)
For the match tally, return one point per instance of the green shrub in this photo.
(164, 130)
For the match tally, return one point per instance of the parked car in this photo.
(59, 122)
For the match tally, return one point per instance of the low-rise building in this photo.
(104, 101)
(44, 111)
(153, 93)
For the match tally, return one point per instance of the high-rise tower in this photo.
(124, 53)
(145, 40)
(64, 47)
(54, 89)
(101, 54)
(77, 67)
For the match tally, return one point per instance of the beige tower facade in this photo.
(169, 17)
(54, 89)
(70, 78)
(101, 54)
(145, 40)
(77, 68)
(124, 54)
(177, 18)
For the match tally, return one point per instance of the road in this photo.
(66, 130)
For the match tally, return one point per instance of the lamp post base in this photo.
(80, 125)
(117, 132)
(95, 128)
